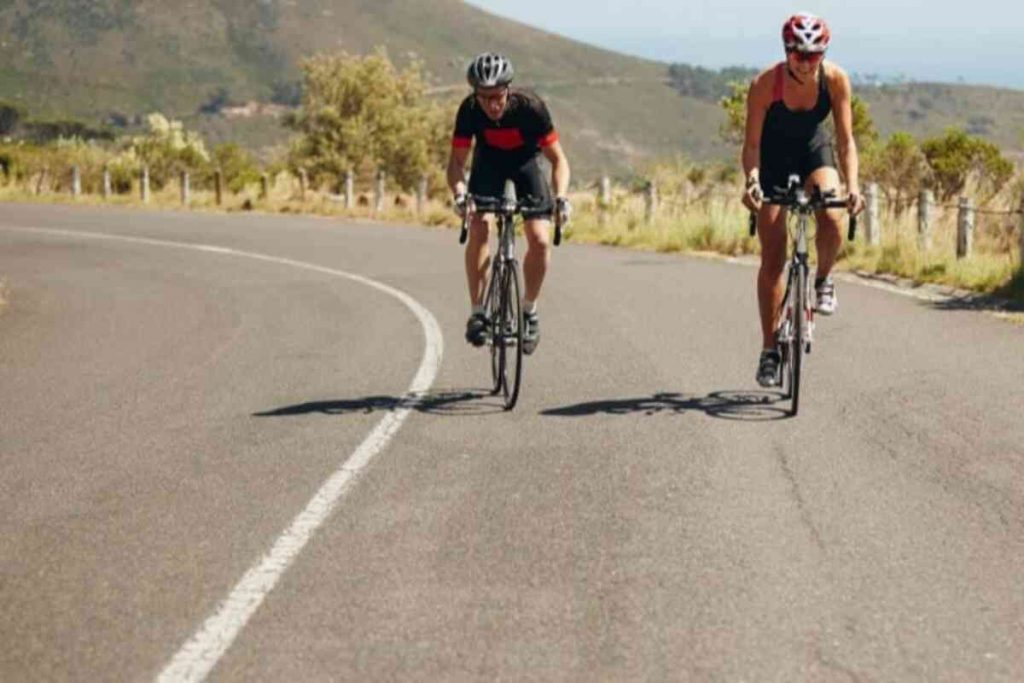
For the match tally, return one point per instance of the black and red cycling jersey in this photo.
(522, 132)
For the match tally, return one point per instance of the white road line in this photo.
(200, 654)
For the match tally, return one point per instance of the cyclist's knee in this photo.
(479, 229)
(538, 235)
(831, 220)
(773, 262)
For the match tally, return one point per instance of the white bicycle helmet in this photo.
(489, 70)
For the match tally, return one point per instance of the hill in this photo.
(117, 59)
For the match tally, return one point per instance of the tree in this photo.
(166, 148)
(956, 157)
(11, 115)
(236, 164)
(864, 132)
(217, 100)
(362, 113)
(899, 167)
(734, 105)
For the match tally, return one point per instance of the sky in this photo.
(973, 41)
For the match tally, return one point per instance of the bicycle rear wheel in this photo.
(511, 347)
(796, 347)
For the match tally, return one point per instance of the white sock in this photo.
(529, 306)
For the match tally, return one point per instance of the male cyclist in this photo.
(511, 129)
(787, 106)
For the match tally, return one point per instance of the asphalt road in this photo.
(168, 410)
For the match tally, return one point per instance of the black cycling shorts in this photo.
(532, 189)
(778, 166)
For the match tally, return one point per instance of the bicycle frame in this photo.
(799, 263)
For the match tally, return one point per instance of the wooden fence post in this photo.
(1020, 226)
(42, 180)
(303, 184)
(964, 228)
(925, 202)
(873, 225)
(106, 182)
(218, 187)
(264, 186)
(144, 184)
(421, 197)
(76, 181)
(604, 200)
(650, 201)
(350, 189)
(186, 189)
(378, 195)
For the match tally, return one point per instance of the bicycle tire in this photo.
(493, 303)
(799, 325)
(785, 328)
(512, 336)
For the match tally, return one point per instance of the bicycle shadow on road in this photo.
(449, 402)
(745, 406)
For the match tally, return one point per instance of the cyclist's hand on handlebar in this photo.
(753, 196)
(563, 210)
(856, 204)
(460, 204)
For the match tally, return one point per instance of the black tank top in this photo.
(786, 131)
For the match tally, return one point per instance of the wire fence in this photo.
(888, 214)
(884, 217)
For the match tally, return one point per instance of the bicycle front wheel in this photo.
(494, 316)
(511, 347)
(796, 346)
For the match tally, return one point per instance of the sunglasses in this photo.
(807, 56)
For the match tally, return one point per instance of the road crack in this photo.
(798, 499)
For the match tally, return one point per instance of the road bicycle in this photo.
(503, 303)
(794, 333)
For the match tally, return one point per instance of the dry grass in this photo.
(712, 222)
(715, 224)
(993, 266)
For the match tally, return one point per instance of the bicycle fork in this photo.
(801, 262)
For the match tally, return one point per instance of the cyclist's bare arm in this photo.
(842, 110)
(759, 99)
(457, 170)
(560, 172)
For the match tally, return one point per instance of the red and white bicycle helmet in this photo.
(805, 33)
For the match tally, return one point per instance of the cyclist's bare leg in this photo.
(771, 230)
(538, 255)
(478, 258)
(829, 236)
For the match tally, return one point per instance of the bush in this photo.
(237, 165)
(956, 157)
(361, 113)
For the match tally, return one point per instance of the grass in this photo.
(992, 268)
(713, 223)
(716, 225)
(4, 296)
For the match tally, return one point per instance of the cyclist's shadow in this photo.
(749, 406)
(448, 402)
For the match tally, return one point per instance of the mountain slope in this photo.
(91, 58)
